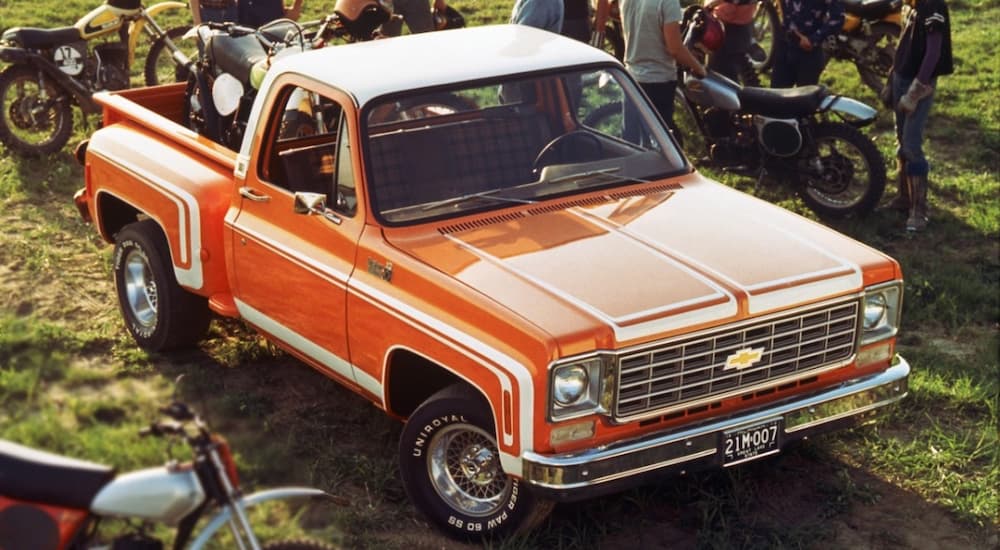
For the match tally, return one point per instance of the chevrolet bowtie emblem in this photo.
(744, 358)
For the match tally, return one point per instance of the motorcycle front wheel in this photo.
(35, 116)
(161, 68)
(844, 174)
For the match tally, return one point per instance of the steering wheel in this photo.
(552, 147)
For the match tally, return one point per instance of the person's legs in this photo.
(783, 70)
(417, 14)
(809, 65)
(731, 58)
(910, 137)
(662, 96)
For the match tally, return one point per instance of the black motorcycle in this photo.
(223, 84)
(806, 136)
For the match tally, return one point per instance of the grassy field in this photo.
(925, 476)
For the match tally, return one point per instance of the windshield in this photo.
(485, 146)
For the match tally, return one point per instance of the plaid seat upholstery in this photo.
(428, 164)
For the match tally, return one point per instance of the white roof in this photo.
(370, 69)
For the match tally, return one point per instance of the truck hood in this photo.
(646, 262)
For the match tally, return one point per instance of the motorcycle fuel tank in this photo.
(714, 90)
(160, 494)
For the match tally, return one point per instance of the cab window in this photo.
(310, 149)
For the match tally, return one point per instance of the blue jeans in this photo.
(794, 66)
(910, 128)
(219, 15)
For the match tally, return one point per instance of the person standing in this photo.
(541, 14)
(416, 13)
(923, 54)
(653, 48)
(798, 50)
(731, 59)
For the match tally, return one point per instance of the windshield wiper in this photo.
(605, 172)
(488, 194)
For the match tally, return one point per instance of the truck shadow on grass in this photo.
(295, 426)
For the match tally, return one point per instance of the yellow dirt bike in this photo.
(50, 69)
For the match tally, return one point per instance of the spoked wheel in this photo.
(450, 465)
(846, 174)
(158, 313)
(876, 60)
(35, 116)
(161, 67)
(765, 31)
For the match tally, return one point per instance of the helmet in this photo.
(703, 29)
(448, 19)
(713, 34)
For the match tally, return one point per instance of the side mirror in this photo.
(310, 203)
(314, 203)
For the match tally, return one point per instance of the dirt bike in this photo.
(867, 39)
(52, 502)
(224, 82)
(806, 136)
(50, 69)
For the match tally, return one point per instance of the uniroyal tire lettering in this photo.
(430, 428)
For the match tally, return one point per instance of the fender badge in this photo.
(383, 272)
(744, 358)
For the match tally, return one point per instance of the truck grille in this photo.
(694, 369)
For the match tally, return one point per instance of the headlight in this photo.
(569, 385)
(875, 310)
(882, 307)
(575, 388)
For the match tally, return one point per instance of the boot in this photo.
(902, 201)
(918, 207)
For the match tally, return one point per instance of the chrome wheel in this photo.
(464, 468)
(140, 289)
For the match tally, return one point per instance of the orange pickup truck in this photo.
(556, 303)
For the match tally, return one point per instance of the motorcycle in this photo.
(806, 135)
(868, 38)
(50, 69)
(223, 84)
(52, 502)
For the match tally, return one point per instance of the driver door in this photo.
(291, 267)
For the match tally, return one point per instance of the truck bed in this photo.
(160, 109)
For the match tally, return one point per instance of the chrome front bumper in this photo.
(588, 473)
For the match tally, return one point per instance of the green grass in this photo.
(71, 381)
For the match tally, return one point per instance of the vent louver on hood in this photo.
(587, 201)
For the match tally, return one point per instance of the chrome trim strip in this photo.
(587, 468)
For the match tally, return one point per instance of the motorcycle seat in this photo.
(236, 55)
(38, 476)
(42, 39)
(872, 9)
(782, 102)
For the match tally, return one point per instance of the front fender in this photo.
(849, 110)
(224, 515)
(135, 29)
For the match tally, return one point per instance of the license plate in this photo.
(751, 442)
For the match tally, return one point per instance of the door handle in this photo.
(248, 193)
